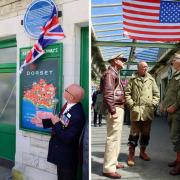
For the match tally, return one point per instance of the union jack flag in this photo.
(51, 32)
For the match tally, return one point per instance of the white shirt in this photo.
(68, 107)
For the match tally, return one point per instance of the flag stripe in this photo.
(149, 1)
(140, 9)
(140, 13)
(155, 36)
(135, 25)
(142, 21)
(152, 33)
(153, 24)
(148, 6)
(146, 38)
(152, 30)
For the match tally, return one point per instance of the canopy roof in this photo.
(107, 30)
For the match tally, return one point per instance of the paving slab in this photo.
(5, 173)
(159, 149)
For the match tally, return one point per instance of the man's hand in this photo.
(37, 121)
(161, 108)
(114, 116)
(171, 109)
(54, 119)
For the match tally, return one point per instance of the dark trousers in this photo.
(66, 174)
(99, 117)
(140, 129)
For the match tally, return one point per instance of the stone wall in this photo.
(12, 8)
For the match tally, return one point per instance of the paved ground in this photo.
(5, 173)
(160, 151)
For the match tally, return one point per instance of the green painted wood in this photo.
(8, 65)
(8, 70)
(7, 139)
(8, 43)
(8, 131)
(136, 44)
(50, 51)
(84, 67)
(84, 76)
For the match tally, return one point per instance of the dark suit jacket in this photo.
(64, 142)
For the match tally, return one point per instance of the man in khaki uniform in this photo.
(113, 95)
(171, 104)
(142, 96)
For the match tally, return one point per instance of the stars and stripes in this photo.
(51, 32)
(151, 20)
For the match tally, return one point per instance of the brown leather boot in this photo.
(176, 170)
(172, 164)
(143, 155)
(131, 156)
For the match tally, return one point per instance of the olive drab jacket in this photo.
(142, 96)
(172, 95)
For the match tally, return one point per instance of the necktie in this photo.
(63, 109)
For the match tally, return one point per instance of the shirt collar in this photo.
(114, 69)
(69, 106)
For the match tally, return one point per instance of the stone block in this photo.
(7, 2)
(40, 152)
(36, 136)
(44, 165)
(31, 160)
(39, 143)
(46, 137)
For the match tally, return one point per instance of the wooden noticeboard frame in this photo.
(40, 82)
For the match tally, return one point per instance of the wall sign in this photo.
(37, 14)
(41, 83)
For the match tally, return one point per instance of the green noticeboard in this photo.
(40, 84)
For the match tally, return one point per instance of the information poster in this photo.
(41, 89)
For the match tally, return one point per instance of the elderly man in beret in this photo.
(171, 104)
(113, 95)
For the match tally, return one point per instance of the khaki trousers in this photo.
(113, 141)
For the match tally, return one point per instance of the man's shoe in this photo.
(172, 164)
(143, 155)
(95, 125)
(176, 170)
(113, 175)
(119, 165)
(100, 125)
(131, 156)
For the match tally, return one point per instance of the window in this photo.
(8, 54)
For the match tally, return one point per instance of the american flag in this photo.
(51, 32)
(152, 20)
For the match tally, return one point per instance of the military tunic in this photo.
(142, 96)
(172, 97)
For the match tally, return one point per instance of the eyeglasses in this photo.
(69, 92)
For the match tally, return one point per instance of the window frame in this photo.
(8, 67)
